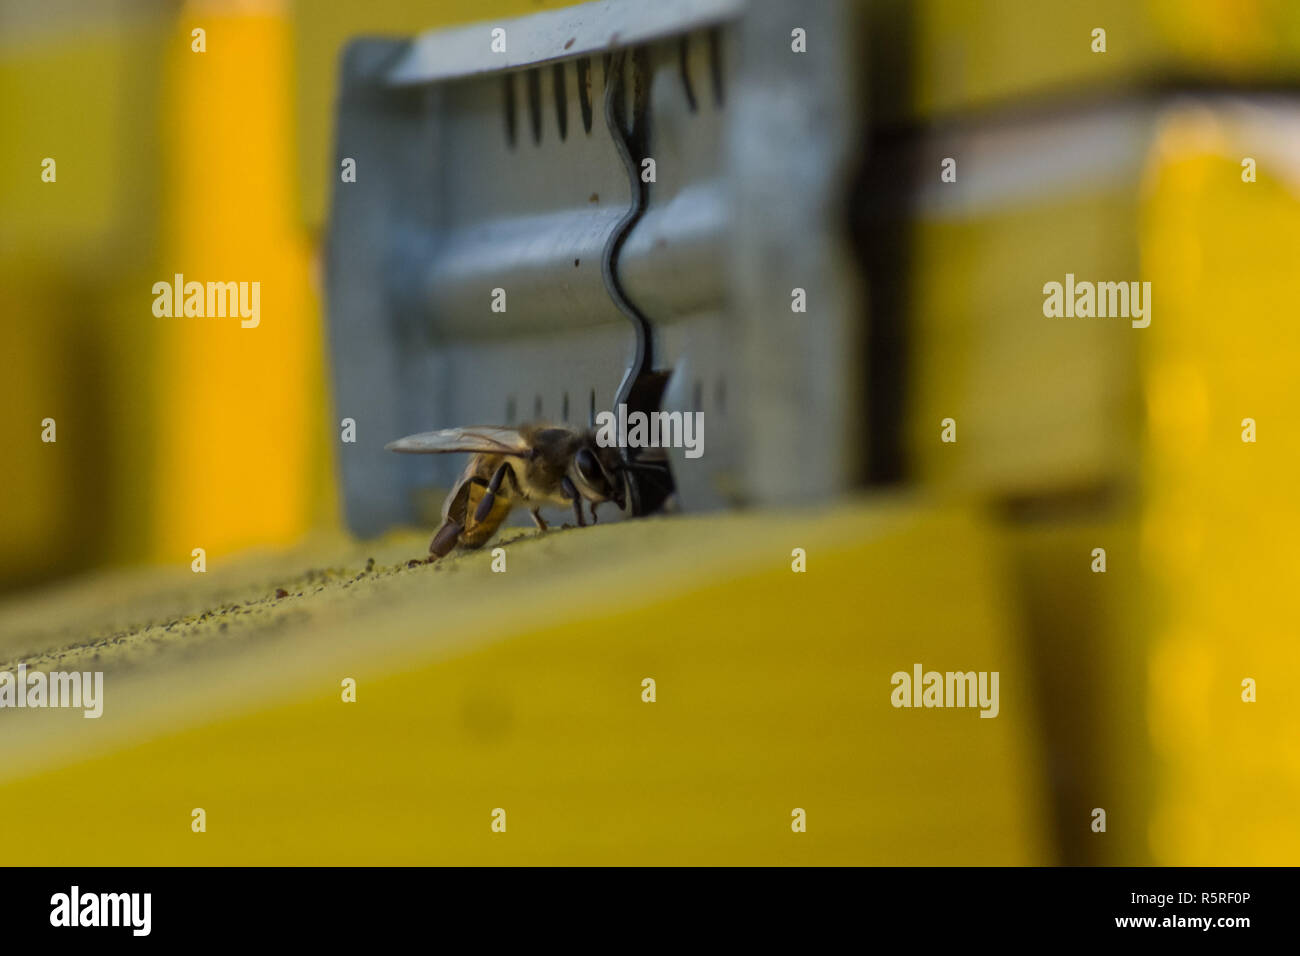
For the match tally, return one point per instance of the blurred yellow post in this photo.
(241, 424)
(1221, 458)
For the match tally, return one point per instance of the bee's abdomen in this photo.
(478, 533)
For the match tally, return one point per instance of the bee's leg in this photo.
(538, 519)
(446, 538)
(593, 513)
(490, 496)
(569, 490)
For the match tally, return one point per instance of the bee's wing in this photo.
(489, 439)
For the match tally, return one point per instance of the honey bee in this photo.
(532, 465)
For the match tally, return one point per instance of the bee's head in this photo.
(597, 473)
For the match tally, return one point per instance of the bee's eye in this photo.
(589, 468)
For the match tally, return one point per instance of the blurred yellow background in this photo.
(173, 434)
(195, 433)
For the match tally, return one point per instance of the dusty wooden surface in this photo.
(524, 690)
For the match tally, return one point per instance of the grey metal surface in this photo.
(470, 181)
(793, 145)
(582, 30)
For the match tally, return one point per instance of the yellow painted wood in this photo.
(1220, 518)
(967, 55)
(523, 691)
